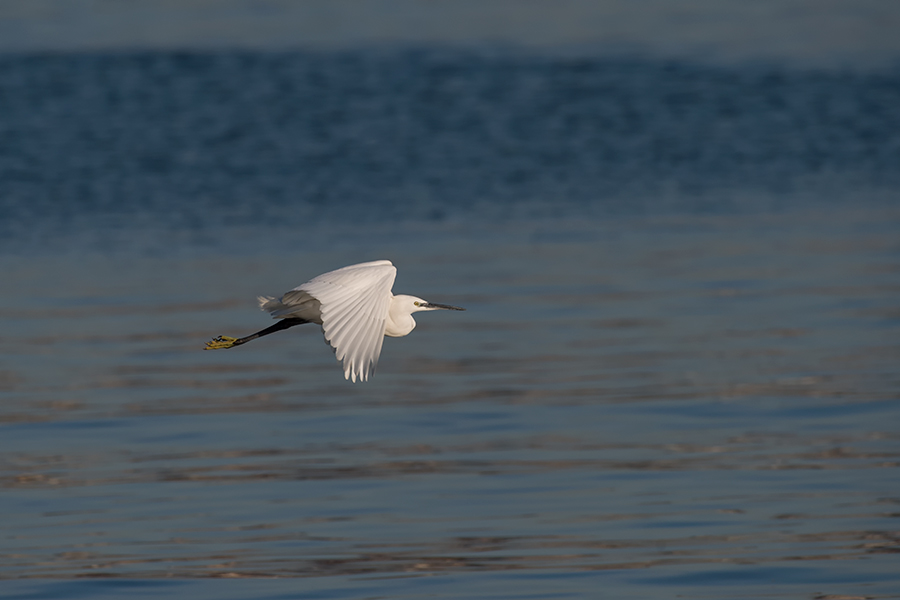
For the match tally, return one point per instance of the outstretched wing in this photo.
(354, 303)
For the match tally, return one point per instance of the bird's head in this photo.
(411, 304)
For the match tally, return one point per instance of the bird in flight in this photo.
(356, 309)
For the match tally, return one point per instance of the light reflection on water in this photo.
(700, 405)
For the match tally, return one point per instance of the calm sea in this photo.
(678, 374)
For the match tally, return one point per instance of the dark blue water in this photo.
(196, 142)
(677, 374)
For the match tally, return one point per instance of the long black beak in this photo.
(444, 306)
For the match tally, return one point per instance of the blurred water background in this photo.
(676, 230)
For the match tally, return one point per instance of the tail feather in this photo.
(299, 305)
(268, 303)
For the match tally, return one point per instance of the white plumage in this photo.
(351, 304)
(356, 309)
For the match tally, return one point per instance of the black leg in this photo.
(223, 341)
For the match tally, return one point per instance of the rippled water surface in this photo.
(677, 374)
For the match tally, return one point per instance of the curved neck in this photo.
(399, 322)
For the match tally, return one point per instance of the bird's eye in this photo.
(416, 302)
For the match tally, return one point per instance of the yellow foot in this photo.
(223, 341)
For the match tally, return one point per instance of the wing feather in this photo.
(354, 305)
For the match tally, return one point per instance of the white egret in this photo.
(356, 309)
